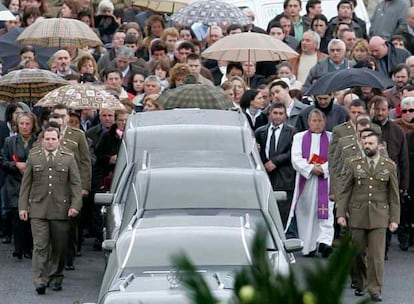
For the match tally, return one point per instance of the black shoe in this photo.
(18, 255)
(325, 250)
(310, 254)
(354, 285)
(41, 289)
(359, 292)
(70, 267)
(56, 287)
(78, 253)
(97, 245)
(376, 297)
(404, 247)
(7, 240)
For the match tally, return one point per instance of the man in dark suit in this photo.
(106, 119)
(279, 91)
(275, 141)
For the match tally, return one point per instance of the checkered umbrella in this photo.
(195, 96)
(28, 85)
(162, 6)
(210, 12)
(81, 96)
(59, 32)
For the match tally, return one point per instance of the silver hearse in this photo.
(193, 180)
(216, 240)
(172, 131)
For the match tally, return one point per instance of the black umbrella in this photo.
(10, 50)
(349, 78)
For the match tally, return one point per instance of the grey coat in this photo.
(321, 68)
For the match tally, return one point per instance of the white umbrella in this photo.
(249, 47)
(5, 14)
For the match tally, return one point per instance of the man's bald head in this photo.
(378, 47)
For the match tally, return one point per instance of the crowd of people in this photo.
(328, 152)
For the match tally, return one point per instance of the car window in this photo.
(130, 202)
(119, 167)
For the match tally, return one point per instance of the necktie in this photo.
(272, 144)
(50, 158)
(371, 166)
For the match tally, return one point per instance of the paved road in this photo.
(79, 286)
(82, 285)
(398, 285)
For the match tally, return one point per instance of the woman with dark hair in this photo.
(136, 83)
(30, 14)
(13, 161)
(186, 33)
(252, 103)
(12, 5)
(319, 24)
(8, 126)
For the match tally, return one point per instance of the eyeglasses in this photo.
(405, 111)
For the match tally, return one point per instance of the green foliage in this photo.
(258, 284)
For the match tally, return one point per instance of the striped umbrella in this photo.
(28, 85)
(195, 96)
(210, 12)
(59, 32)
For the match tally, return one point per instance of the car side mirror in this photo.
(293, 245)
(280, 195)
(108, 245)
(104, 199)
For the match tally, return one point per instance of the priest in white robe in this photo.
(311, 205)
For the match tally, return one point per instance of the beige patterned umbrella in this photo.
(59, 32)
(81, 96)
(162, 6)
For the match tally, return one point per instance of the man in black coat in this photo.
(335, 114)
(275, 142)
(396, 141)
(386, 54)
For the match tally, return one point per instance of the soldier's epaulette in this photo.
(70, 141)
(36, 150)
(66, 152)
(77, 130)
(348, 146)
(355, 158)
(390, 161)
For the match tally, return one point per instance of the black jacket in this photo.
(14, 150)
(335, 115)
(283, 177)
(107, 146)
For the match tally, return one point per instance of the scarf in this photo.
(323, 196)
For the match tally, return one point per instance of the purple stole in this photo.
(323, 196)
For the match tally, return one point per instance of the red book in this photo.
(316, 159)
